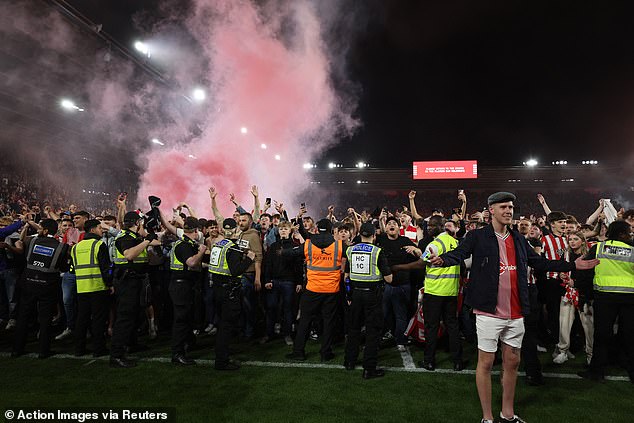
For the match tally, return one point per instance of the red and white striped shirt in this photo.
(554, 249)
(409, 232)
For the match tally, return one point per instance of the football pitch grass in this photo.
(270, 388)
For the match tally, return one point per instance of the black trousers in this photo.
(554, 292)
(92, 310)
(36, 298)
(311, 304)
(227, 301)
(607, 308)
(182, 294)
(532, 364)
(128, 291)
(436, 307)
(367, 306)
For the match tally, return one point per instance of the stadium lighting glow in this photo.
(560, 162)
(531, 163)
(361, 165)
(263, 146)
(69, 105)
(277, 157)
(309, 166)
(331, 165)
(157, 141)
(244, 130)
(199, 94)
(191, 156)
(142, 48)
(358, 182)
(590, 162)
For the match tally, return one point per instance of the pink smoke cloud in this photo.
(278, 89)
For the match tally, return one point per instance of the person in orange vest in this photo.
(324, 262)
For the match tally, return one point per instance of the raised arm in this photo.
(170, 228)
(594, 216)
(214, 207)
(542, 201)
(256, 202)
(412, 205)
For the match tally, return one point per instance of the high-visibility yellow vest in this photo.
(443, 281)
(175, 263)
(120, 260)
(364, 263)
(87, 271)
(615, 272)
(218, 258)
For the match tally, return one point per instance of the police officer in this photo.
(45, 259)
(324, 258)
(130, 262)
(366, 268)
(613, 281)
(227, 263)
(91, 261)
(185, 264)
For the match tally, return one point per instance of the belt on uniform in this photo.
(366, 287)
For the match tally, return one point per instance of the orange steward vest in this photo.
(323, 267)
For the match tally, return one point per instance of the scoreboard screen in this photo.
(461, 169)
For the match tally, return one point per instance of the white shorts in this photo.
(491, 329)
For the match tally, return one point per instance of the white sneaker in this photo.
(277, 328)
(67, 333)
(10, 324)
(401, 348)
(209, 328)
(561, 358)
(556, 352)
(288, 340)
(541, 349)
(570, 355)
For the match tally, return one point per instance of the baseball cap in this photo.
(367, 229)
(229, 223)
(131, 217)
(324, 225)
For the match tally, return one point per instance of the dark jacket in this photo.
(482, 291)
(278, 267)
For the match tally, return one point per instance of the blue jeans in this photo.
(395, 303)
(8, 279)
(248, 305)
(69, 295)
(283, 290)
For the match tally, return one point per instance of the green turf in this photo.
(264, 394)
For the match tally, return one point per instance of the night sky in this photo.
(494, 81)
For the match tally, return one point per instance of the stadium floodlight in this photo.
(278, 157)
(70, 105)
(244, 130)
(309, 165)
(199, 94)
(361, 165)
(530, 163)
(331, 165)
(263, 146)
(157, 141)
(142, 48)
(589, 162)
(358, 182)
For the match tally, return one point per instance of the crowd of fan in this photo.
(269, 310)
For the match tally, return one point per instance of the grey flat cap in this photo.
(500, 197)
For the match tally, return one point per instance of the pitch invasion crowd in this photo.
(274, 288)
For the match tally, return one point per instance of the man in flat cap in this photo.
(498, 293)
